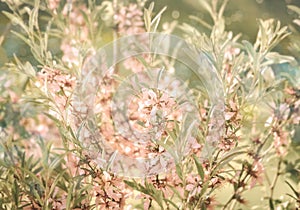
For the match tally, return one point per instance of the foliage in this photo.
(44, 165)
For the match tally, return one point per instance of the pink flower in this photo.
(129, 20)
(231, 52)
(256, 173)
(156, 110)
(280, 142)
(53, 4)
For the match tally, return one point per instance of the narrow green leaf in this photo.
(292, 196)
(156, 20)
(199, 167)
(131, 184)
(249, 49)
(147, 20)
(179, 171)
(16, 20)
(172, 203)
(69, 196)
(201, 21)
(297, 194)
(207, 7)
(294, 8)
(151, 7)
(16, 193)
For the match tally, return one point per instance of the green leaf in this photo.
(225, 159)
(16, 20)
(156, 20)
(15, 192)
(249, 48)
(152, 24)
(148, 189)
(147, 20)
(29, 70)
(297, 194)
(130, 184)
(199, 167)
(207, 7)
(111, 160)
(172, 203)
(69, 196)
(179, 171)
(276, 58)
(201, 21)
(33, 17)
(294, 8)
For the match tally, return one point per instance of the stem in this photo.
(272, 187)
(233, 205)
(264, 142)
(228, 202)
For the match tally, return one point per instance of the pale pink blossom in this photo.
(257, 173)
(53, 4)
(129, 20)
(281, 142)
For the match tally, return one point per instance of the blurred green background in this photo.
(241, 17)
